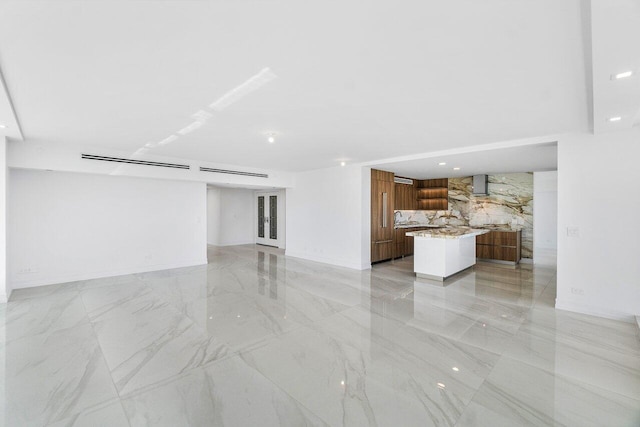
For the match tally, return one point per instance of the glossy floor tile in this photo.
(257, 338)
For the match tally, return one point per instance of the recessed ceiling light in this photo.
(442, 163)
(623, 75)
(3, 126)
(615, 119)
(440, 385)
(271, 139)
(343, 163)
(455, 368)
(456, 169)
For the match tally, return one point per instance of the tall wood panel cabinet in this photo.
(382, 201)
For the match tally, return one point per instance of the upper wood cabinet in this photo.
(381, 175)
(406, 197)
(433, 194)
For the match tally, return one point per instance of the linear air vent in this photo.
(399, 180)
(230, 172)
(135, 162)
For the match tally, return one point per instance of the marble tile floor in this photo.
(254, 338)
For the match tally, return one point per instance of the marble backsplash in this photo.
(429, 217)
(509, 204)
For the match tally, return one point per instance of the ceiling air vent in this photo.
(399, 180)
(135, 162)
(230, 172)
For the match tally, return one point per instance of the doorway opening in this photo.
(269, 219)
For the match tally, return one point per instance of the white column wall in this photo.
(328, 216)
(213, 215)
(545, 211)
(5, 287)
(5, 290)
(598, 233)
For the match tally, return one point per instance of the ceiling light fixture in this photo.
(3, 126)
(615, 119)
(623, 75)
(442, 163)
(343, 163)
(456, 169)
(272, 138)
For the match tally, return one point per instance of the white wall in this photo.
(69, 226)
(213, 215)
(5, 287)
(230, 216)
(328, 216)
(545, 211)
(599, 204)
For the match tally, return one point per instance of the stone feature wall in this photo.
(509, 204)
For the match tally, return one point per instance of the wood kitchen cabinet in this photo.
(404, 243)
(500, 245)
(382, 203)
(406, 197)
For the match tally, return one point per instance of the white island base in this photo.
(439, 258)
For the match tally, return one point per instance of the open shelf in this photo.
(433, 194)
(433, 204)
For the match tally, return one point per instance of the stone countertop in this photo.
(496, 227)
(490, 227)
(418, 226)
(449, 233)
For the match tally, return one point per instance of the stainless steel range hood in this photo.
(480, 185)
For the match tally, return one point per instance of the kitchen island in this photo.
(443, 252)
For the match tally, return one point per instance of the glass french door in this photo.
(267, 217)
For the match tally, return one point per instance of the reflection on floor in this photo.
(255, 338)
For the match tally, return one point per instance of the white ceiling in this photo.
(615, 36)
(346, 80)
(527, 158)
(9, 125)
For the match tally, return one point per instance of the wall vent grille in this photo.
(399, 180)
(135, 162)
(231, 172)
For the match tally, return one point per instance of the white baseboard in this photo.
(328, 260)
(64, 278)
(238, 243)
(594, 311)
